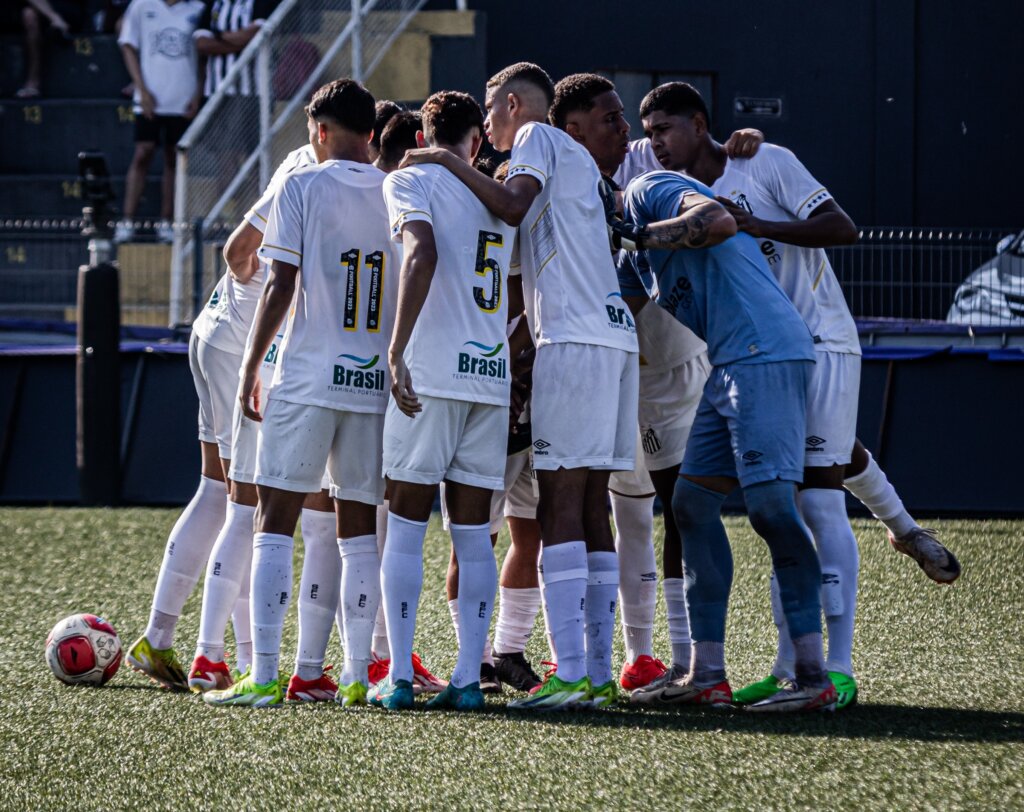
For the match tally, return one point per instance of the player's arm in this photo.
(134, 68)
(240, 252)
(507, 201)
(213, 42)
(270, 313)
(825, 226)
(701, 223)
(418, 266)
(744, 143)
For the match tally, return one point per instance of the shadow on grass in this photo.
(858, 722)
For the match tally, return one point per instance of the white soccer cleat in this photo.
(923, 546)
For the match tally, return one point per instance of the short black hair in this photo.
(488, 164)
(399, 135)
(449, 116)
(675, 99)
(345, 102)
(525, 72)
(576, 92)
(383, 110)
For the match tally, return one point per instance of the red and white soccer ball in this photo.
(83, 650)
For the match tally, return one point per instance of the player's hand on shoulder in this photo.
(426, 155)
(401, 388)
(744, 143)
(745, 221)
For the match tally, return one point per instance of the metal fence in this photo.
(914, 274)
(906, 274)
(256, 117)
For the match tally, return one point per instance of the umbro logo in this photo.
(540, 446)
(752, 456)
(814, 441)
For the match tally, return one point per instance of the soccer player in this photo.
(399, 136)
(750, 423)
(448, 417)
(673, 370)
(227, 572)
(329, 392)
(383, 111)
(585, 374)
(775, 199)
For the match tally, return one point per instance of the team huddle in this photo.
(595, 320)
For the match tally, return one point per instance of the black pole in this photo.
(197, 266)
(98, 385)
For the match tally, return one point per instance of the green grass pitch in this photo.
(940, 724)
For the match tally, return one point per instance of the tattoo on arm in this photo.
(689, 230)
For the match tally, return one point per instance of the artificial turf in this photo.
(940, 723)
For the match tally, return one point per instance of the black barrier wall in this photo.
(944, 426)
(906, 109)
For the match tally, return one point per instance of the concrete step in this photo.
(46, 136)
(61, 195)
(88, 66)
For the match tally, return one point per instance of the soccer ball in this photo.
(83, 650)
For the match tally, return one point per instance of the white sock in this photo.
(874, 490)
(318, 591)
(552, 654)
(380, 628)
(188, 547)
(243, 636)
(602, 597)
(678, 621)
(785, 659)
(517, 613)
(360, 602)
(565, 588)
(824, 511)
(401, 580)
(270, 594)
(478, 584)
(638, 571)
(226, 572)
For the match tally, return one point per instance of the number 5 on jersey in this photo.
(375, 262)
(488, 303)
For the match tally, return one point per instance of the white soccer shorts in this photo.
(215, 373)
(833, 393)
(450, 439)
(584, 407)
(668, 404)
(296, 442)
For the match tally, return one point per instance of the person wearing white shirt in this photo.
(585, 393)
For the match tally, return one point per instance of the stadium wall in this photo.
(941, 421)
(906, 109)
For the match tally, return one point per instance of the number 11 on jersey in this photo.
(375, 262)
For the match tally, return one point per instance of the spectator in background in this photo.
(156, 41)
(224, 30)
(38, 18)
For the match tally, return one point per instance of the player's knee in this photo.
(694, 505)
(771, 507)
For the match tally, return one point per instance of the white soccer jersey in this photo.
(227, 318)
(774, 185)
(331, 221)
(458, 347)
(569, 280)
(639, 159)
(162, 34)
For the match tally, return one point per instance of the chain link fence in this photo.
(256, 117)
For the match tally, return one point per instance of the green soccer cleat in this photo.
(350, 695)
(249, 693)
(604, 696)
(397, 695)
(159, 664)
(555, 694)
(467, 698)
(757, 691)
(846, 689)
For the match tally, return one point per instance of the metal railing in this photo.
(229, 152)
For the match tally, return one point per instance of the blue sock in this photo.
(707, 558)
(773, 513)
